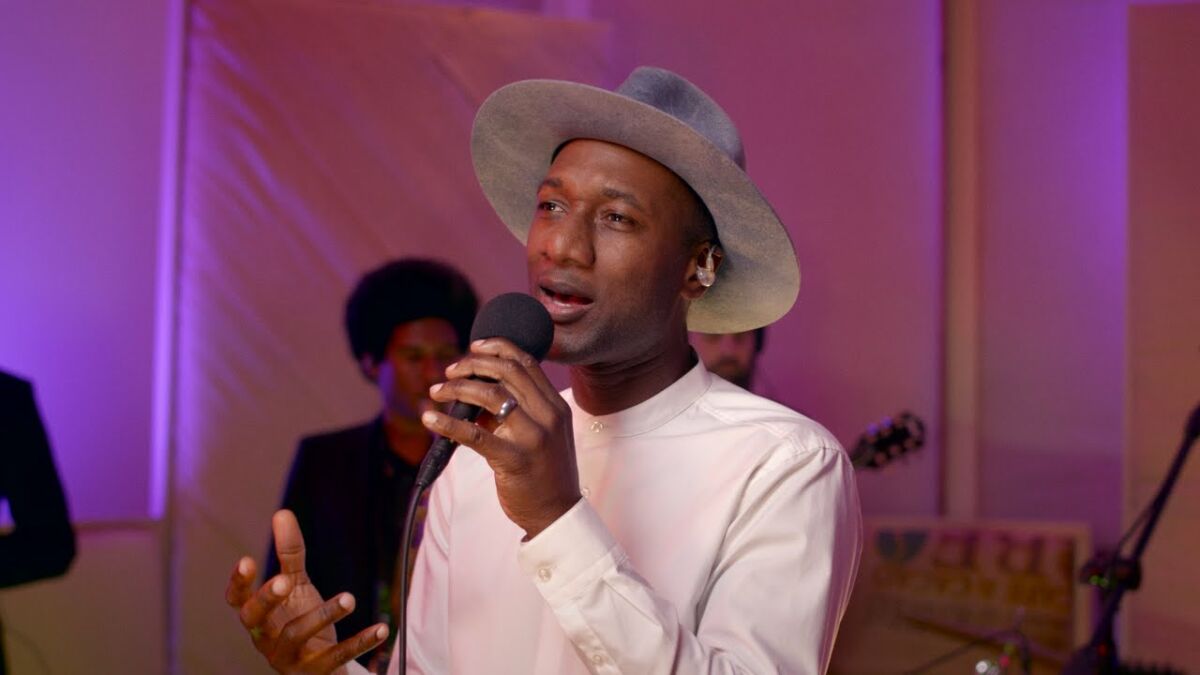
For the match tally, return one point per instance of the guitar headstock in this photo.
(888, 439)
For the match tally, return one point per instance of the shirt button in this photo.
(597, 658)
(544, 574)
(597, 426)
(585, 492)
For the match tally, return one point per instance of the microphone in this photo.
(514, 316)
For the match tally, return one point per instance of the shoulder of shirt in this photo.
(797, 434)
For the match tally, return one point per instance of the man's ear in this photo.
(703, 269)
(368, 367)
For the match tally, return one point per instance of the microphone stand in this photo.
(1099, 655)
(1010, 640)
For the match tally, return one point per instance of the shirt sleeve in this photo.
(42, 542)
(773, 602)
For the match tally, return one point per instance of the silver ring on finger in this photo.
(506, 408)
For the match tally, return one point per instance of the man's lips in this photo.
(565, 301)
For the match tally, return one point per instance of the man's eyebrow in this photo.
(613, 193)
(609, 192)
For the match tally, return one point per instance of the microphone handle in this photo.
(443, 448)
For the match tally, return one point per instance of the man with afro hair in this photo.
(406, 321)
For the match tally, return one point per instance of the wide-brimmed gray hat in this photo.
(665, 117)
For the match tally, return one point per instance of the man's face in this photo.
(416, 358)
(607, 254)
(731, 356)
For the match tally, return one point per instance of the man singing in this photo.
(652, 518)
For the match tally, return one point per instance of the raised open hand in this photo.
(288, 621)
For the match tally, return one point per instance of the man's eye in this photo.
(619, 219)
(549, 206)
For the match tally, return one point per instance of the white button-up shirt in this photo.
(719, 533)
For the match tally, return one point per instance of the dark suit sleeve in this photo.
(296, 499)
(42, 542)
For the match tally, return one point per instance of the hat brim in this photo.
(518, 128)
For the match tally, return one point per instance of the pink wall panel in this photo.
(322, 138)
(1163, 617)
(110, 606)
(839, 105)
(1053, 138)
(81, 99)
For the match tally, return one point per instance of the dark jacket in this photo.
(42, 543)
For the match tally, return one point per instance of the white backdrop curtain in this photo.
(322, 138)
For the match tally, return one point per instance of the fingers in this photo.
(342, 653)
(254, 611)
(241, 583)
(487, 395)
(507, 377)
(289, 542)
(298, 631)
(469, 434)
(503, 371)
(504, 349)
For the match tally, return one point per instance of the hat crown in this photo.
(682, 100)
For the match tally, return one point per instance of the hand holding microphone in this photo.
(533, 451)
(517, 318)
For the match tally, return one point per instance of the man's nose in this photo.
(569, 241)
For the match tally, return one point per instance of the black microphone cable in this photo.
(410, 517)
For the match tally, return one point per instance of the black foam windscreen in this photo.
(519, 318)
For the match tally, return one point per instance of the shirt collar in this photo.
(645, 416)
